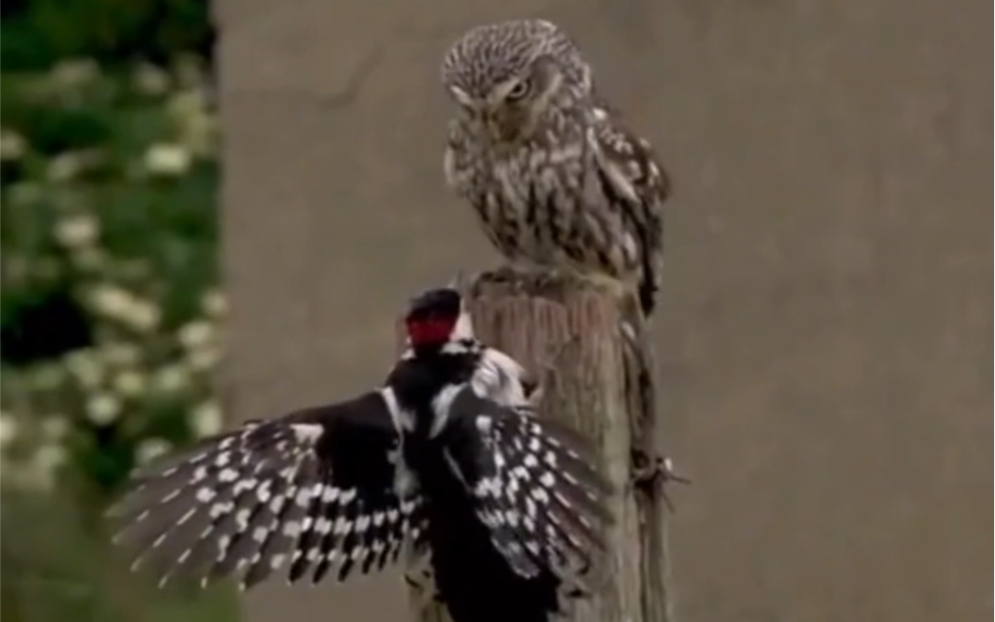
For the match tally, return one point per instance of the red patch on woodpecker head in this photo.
(425, 331)
(432, 317)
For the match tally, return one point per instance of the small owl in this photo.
(556, 181)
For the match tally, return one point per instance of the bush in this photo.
(110, 309)
(35, 34)
(111, 315)
(57, 569)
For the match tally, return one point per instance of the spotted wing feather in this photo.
(534, 483)
(315, 488)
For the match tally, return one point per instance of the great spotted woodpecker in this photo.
(446, 456)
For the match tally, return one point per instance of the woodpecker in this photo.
(445, 459)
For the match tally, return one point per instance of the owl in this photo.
(557, 182)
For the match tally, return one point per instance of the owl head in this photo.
(512, 76)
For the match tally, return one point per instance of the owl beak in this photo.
(501, 126)
(494, 126)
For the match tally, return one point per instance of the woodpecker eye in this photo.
(519, 91)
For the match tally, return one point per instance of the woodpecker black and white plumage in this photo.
(445, 458)
(556, 179)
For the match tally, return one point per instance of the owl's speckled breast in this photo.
(543, 207)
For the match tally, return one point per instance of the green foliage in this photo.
(35, 34)
(56, 569)
(113, 211)
(111, 313)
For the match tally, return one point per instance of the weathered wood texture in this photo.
(569, 335)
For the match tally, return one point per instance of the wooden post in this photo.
(569, 334)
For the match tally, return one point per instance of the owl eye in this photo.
(520, 90)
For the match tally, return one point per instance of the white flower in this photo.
(86, 367)
(167, 159)
(196, 334)
(150, 449)
(50, 456)
(142, 315)
(213, 303)
(110, 300)
(65, 166)
(74, 72)
(120, 304)
(39, 472)
(8, 429)
(151, 80)
(205, 419)
(12, 145)
(103, 408)
(189, 105)
(54, 427)
(77, 231)
(204, 359)
(171, 378)
(199, 134)
(120, 353)
(130, 383)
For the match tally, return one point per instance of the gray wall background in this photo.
(825, 335)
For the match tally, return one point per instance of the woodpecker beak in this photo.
(464, 324)
(460, 283)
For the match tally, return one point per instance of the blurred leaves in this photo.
(108, 257)
(57, 569)
(34, 34)
(111, 316)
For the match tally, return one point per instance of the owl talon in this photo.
(502, 275)
(507, 273)
(547, 278)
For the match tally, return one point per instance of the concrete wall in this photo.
(825, 330)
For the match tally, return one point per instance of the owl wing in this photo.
(632, 178)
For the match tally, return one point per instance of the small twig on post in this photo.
(592, 375)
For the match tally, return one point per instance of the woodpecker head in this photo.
(437, 317)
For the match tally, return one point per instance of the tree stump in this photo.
(569, 333)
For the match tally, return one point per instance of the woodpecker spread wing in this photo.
(534, 483)
(632, 179)
(320, 487)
